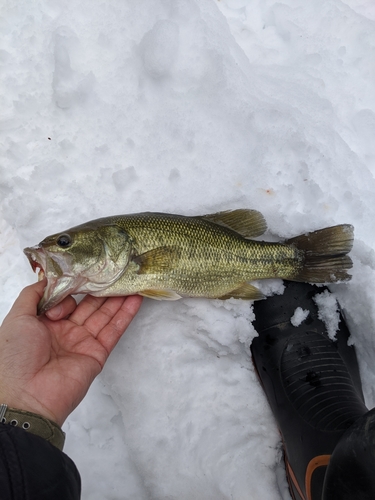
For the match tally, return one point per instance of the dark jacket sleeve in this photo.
(33, 469)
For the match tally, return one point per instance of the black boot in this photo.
(351, 471)
(312, 384)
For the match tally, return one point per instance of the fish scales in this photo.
(166, 256)
(212, 259)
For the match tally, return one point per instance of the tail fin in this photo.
(325, 252)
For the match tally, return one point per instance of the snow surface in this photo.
(187, 106)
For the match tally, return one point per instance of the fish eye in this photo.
(64, 240)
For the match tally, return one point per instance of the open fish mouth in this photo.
(56, 288)
(36, 265)
(37, 260)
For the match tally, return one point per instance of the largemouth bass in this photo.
(165, 256)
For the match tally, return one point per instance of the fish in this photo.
(166, 256)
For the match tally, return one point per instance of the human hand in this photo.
(48, 363)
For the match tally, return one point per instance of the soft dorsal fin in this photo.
(248, 223)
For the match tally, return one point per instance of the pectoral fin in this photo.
(157, 260)
(244, 291)
(248, 223)
(160, 294)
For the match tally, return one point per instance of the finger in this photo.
(100, 318)
(113, 331)
(62, 310)
(86, 308)
(27, 301)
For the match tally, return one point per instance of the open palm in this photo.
(47, 363)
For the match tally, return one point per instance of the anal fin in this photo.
(244, 291)
(158, 294)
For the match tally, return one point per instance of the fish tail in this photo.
(325, 258)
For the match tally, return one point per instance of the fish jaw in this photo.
(57, 289)
(59, 285)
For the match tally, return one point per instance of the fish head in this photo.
(84, 259)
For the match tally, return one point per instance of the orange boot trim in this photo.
(319, 461)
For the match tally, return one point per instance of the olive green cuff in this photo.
(36, 424)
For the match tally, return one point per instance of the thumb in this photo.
(28, 299)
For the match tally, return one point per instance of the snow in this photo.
(188, 106)
(299, 316)
(328, 312)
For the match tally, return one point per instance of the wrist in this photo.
(15, 399)
(34, 423)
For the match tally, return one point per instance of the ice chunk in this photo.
(299, 316)
(328, 312)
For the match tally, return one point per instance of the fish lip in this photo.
(37, 259)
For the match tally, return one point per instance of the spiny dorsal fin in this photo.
(244, 291)
(157, 260)
(248, 223)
